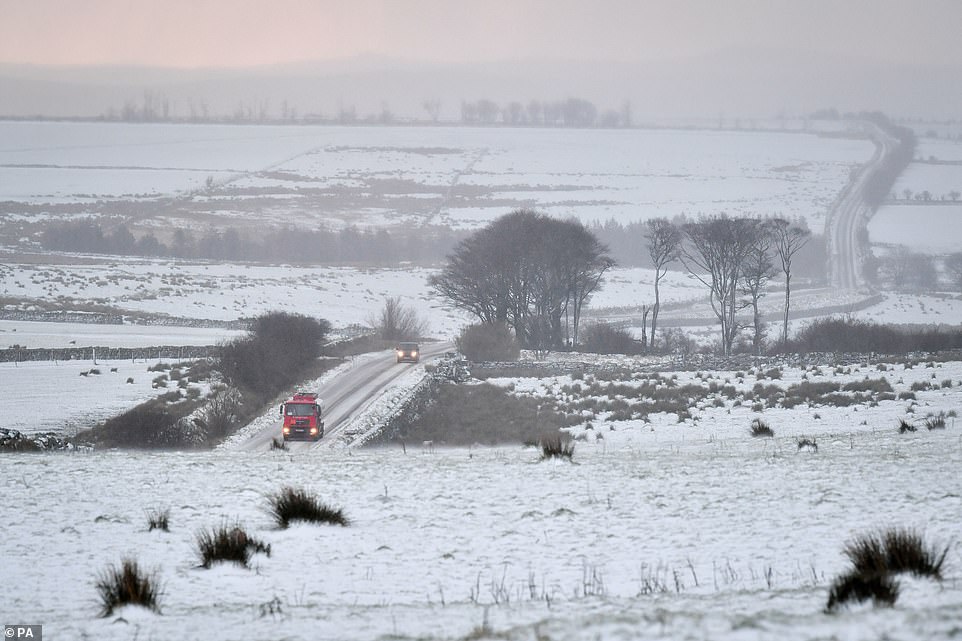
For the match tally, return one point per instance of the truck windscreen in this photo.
(299, 409)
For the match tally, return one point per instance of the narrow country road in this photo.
(346, 395)
(850, 213)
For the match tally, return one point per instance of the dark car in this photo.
(408, 353)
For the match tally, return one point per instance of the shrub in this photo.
(906, 396)
(398, 322)
(488, 342)
(150, 425)
(159, 381)
(228, 543)
(130, 380)
(946, 384)
(291, 504)
(602, 338)
(158, 367)
(760, 428)
(556, 445)
(274, 354)
(127, 585)
(158, 520)
(920, 386)
(847, 335)
(774, 373)
(874, 385)
(805, 443)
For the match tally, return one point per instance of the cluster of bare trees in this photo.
(529, 272)
(734, 258)
(573, 112)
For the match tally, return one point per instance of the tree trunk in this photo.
(788, 289)
(654, 311)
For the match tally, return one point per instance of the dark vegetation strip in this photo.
(181, 352)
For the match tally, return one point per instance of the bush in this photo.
(158, 520)
(127, 585)
(292, 504)
(556, 445)
(398, 322)
(149, 425)
(603, 338)
(874, 385)
(277, 350)
(488, 342)
(760, 428)
(847, 335)
(228, 543)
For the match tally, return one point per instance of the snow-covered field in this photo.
(223, 291)
(933, 229)
(37, 334)
(53, 396)
(910, 222)
(657, 530)
(459, 176)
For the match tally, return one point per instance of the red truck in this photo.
(302, 417)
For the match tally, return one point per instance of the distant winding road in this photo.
(850, 213)
(346, 395)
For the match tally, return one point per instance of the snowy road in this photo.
(347, 395)
(850, 214)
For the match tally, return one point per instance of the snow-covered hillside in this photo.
(656, 530)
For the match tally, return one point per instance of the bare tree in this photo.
(788, 240)
(663, 242)
(433, 107)
(529, 271)
(714, 252)
(757, 270)
(397, 321)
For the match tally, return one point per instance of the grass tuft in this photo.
(292, 504)
(127, 585)
(895, 551)
(158, 520)
(278, 444)
(876, 559)
(556, 445)
(936, 422)
(882, 589)
(805, 443)
(228, 543)
(760, 428)
(905, 426)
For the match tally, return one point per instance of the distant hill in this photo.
(747, 83)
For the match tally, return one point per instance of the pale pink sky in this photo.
(237, 33)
